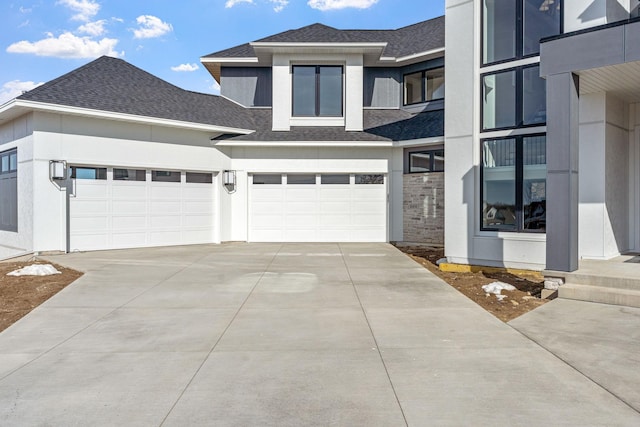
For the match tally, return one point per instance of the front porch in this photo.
(615, 281)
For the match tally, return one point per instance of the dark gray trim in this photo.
(562, 172)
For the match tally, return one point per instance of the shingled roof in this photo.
(113, 85)
(380, 126)
(421, 37)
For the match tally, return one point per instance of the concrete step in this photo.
(600, 294)
(606, 281)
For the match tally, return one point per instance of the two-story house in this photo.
(319, 135)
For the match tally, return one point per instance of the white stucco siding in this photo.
(604, 176)
(581, 14)
(18, 133)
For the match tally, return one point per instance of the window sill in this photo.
(317, 121)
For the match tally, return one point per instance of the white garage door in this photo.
(112, 208)
(318, 208)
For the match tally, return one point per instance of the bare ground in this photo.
(525, 298)
(21, 294)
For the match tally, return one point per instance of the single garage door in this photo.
(113, 208)
(318, 208)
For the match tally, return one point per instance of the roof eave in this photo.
(346, 144)
(23, 106)
(415, 57)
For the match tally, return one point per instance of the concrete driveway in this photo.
(280, 335)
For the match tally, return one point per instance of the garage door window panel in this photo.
(301, 179)
(267, 179)
(199, 178)
(165, 176)
(375, 179)
(129, 174)
(334, 179)
(88, 173)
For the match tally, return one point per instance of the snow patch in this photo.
(496, 288)
(35, 270)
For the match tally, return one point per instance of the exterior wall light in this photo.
(229, 180)
(58, 170)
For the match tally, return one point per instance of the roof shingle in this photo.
(420, 37)
(114, 85)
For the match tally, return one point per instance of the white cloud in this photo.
(95, 28)
(150, 27)
(25, 9)
(185, 67)
(278, 5)
(340, 4)
(85, 9)
(231, 3)
(67, 45)
(14, 88)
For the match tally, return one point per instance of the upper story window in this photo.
(512, 29)
(512, 98)
(317, 90)
(427, 85)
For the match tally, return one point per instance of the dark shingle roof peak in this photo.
(113, 85)
(419, 37)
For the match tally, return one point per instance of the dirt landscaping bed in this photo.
(525, 298)
(21, 294)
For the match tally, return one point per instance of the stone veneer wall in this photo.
(423, 208)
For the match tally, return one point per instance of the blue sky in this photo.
(43, 39)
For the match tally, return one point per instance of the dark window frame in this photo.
(519, 34)
(519, 106)
(519, 181)
(318, 90)
(431, 151)
(423, 89)
(10, 176)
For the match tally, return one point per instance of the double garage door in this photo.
(318, 208)
(112, 208)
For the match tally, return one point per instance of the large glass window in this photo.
(514, 174)
(541, 18)
(317, 91)
(9, 190)
(424, 86)
(514, 98)
(499, 30)
(513, 28)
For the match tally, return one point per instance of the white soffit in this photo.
(621, 80)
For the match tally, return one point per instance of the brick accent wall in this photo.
(423, 208)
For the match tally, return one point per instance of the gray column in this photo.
(562, 172)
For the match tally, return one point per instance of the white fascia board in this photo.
(345, 144)
(227, 60)
(413, 57)
(108, 115)
(418, 142)
(306, 45)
